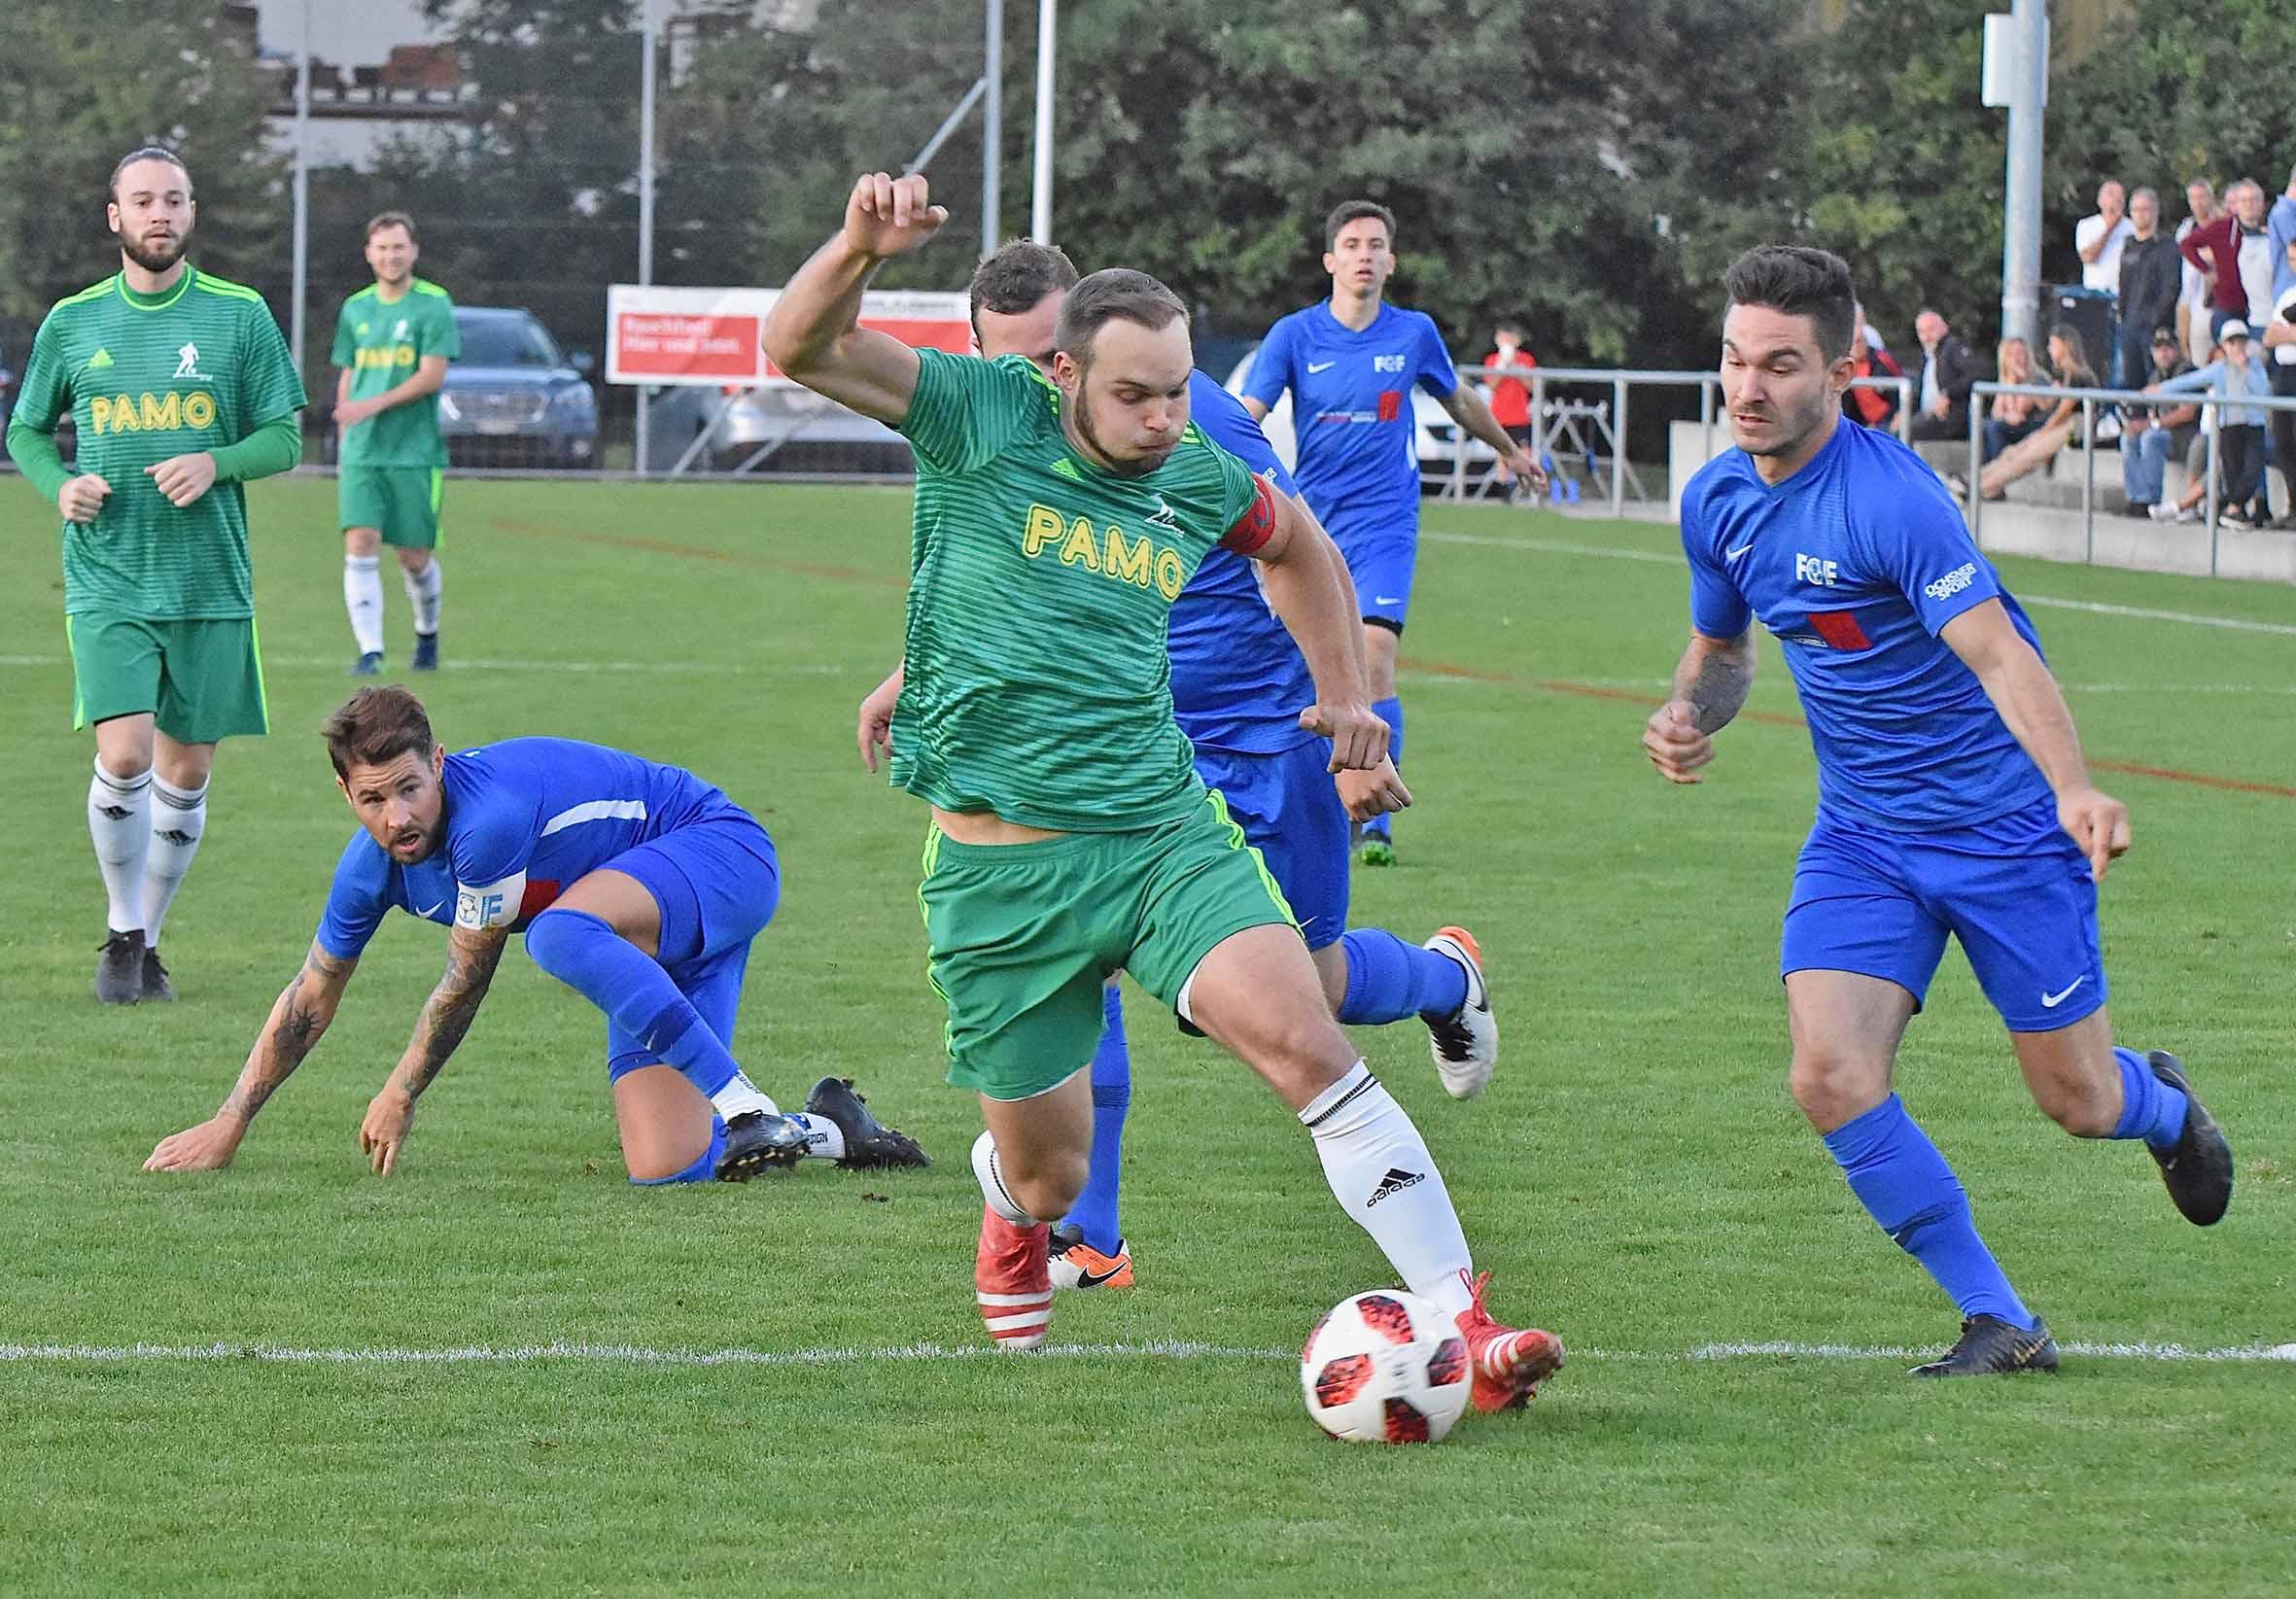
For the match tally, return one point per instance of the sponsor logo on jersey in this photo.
(1952, 582)
(387, 356)
(99, 360)
(186, 364)
(1810, 568)
(1386, 364)
(400, 331)
(1107, 551)
(148, 412)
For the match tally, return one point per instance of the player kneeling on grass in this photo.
(637, 885)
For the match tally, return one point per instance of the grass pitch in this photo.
(505, 1371)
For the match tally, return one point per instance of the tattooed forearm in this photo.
(1714, 679)
(301, 1015)
(447, 1013)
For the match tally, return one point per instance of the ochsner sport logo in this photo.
(1952, 582)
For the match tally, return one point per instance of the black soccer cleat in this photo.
(120, 969)
(156, 987)
(426, 653)
(757, 1139)
(369, 664)
(2197, 1170)
(868, 1142)
(1989, 1344)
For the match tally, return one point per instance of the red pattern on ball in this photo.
(1341, 1380)
(1405, 1425)
(1386, 1317)
(1448, 1364)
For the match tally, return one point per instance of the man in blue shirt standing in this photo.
(1952, 794)
(1350, 363)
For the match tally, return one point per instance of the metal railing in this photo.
(2090, 400)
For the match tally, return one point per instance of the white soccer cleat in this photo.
(1466, 1043)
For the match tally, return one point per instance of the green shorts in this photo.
(1023, 937)
(401, 503)
(202, 680)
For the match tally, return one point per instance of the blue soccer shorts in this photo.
(717, 883)
(1382, 550)
(2015, 891)
(1291, 812)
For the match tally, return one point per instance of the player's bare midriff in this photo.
(988, 827)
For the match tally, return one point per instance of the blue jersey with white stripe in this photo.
(1239, 682)
(1855, 564)
(1351, 405)
(524, 818)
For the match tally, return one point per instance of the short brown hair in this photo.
(392, 218)
(376, 725)
(1117, 295)
(1016, 278)
(1347, 211)
(146, 153)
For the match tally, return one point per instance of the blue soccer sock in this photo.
(1906, 1186)
(1095, 1210)
(587, 956)
(1390, 712)
(1388, 980)
(2151, 1109)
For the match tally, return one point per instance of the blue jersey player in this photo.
(637, 885)
(1350, 363)
(1952, 795)
(1238, 683)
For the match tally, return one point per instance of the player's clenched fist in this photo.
(1674, 744)
(184, 478)
(1359, 737)
(887, 216)
(82, 499)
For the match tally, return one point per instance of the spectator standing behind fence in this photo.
(2150, 434)
(2099, 237)
(2070, 364)
(1510, 398)
(2279, 231)
(2240, 432)
(1948, 370)
(2234, 252)
(2151, 275)
(2192, 303)
(2012, 418)
(1874, 408)
(2280, 343)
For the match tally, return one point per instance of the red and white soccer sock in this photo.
(179, 821)
(120, 823)
(1382, 1175)
(363, 598)
(422, 592)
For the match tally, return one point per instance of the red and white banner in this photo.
(711, 335)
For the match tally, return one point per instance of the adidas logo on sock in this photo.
(1395, 1182)
(115, 813)
(176, 837)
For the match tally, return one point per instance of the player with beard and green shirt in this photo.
(180, 389)
(1055, 522)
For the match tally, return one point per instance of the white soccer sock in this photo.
(992, 1182)
(422, 591)
(119, 821)
(740, 1097)
(363, 598)
(824, 1139)
(179, 820)
(1382, 1175)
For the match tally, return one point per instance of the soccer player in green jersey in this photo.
(393, 341)
(180, 389)
(1055, 522)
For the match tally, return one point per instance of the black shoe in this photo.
(868, 1142)
(2198, 1169)
(426, 653)
(757, 1139)
(1989, 1344)
(156, 987)
(120, 974)
(369, 664)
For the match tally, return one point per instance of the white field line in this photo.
(2098, 608)
(698, 669)
(626, 1354)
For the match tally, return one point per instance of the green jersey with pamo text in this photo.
(1038, 680)
(146, 377)
(383, 341)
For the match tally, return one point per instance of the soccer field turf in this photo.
(503, 1370)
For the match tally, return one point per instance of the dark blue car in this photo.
(514, 398)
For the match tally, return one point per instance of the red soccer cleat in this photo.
(1014, 1281)
(1509, 1363)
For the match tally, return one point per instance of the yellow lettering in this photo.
(160, 413)
(1169, 575)
(124, 415)
(405, 353)
(198, 408)
(1043, 527)
(1080, 547)
(99, 414)
(1129, 563)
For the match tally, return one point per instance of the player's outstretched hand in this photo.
(207, 1147)
(874, 732)
(2099, 823)
(1372, 793)
(184, 478)
(383, 1134)
(1359, 737)
(1674, 744)
(82, 499)
(888, 216)
(1527, 470)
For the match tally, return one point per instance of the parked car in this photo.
(1434, 436)
(514, 398)
(806, 433)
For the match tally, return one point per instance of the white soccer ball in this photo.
(1385, 1367)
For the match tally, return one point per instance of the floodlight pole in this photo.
(646, 190)
(993, 131)
(303, 190)
(2020, 203)
(1041, 222)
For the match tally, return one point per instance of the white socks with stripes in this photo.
(363, 598)
(1382, 1175)
(120, 822)
(179, 820)
(422, 592)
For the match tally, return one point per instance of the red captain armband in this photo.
(1257, 525)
